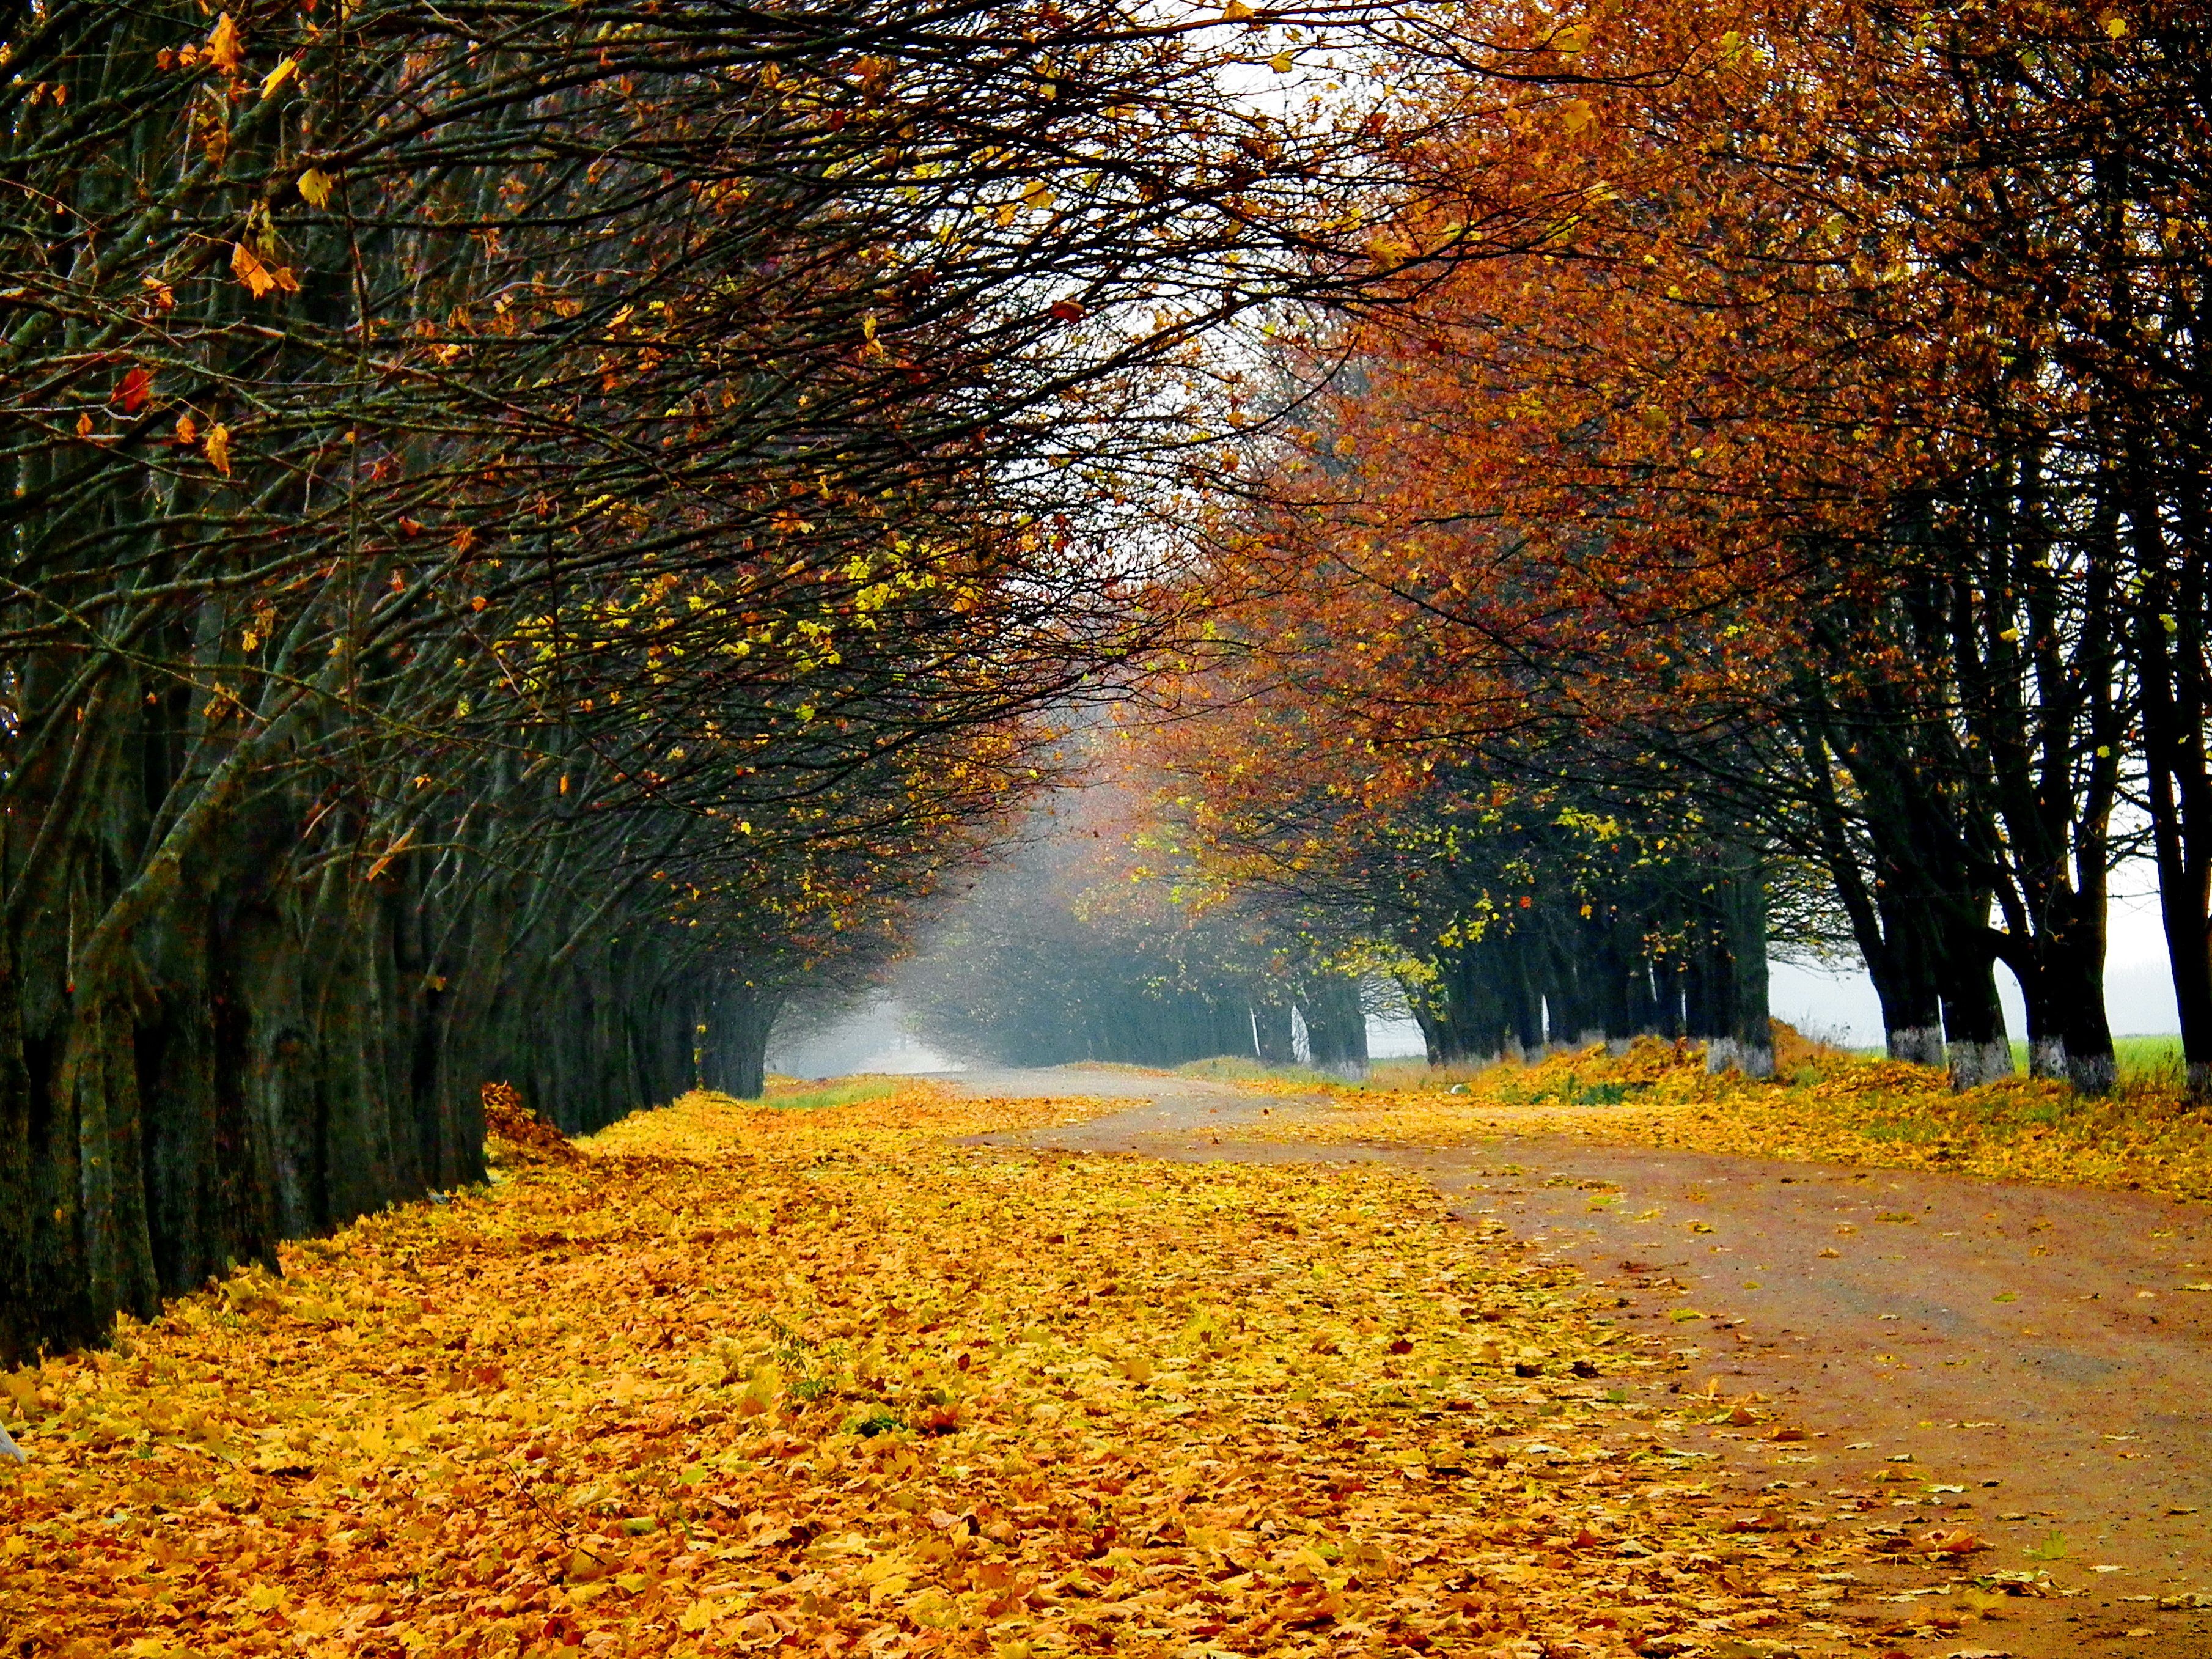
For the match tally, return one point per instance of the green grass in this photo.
(2142, 1058)
(2148, 1057)
(796, 1096)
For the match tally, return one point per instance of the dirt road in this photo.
(2025, 1358)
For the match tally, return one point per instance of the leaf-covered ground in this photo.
(1830, 1106)
(829, 1381)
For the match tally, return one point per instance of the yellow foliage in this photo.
(840, 1380)
(1824, 1104)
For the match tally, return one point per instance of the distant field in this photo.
(2146, 1059)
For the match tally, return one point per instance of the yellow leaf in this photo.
(218, 449)
(1137, 1367)
(84, 425)
(317, 1620)
(2115, 27)
(699, 1615)
(315, 187)
(1572, 40)
(1038, 196)
(224, 49)
(250, 271)
(1575, 113)
(933, 1610)
(1235, 12)
(276, 77)
(263, 1598)
(188, 431)
(1281, 63)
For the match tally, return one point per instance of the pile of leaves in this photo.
(843, 1381)
(514, 1134)
(1830, 1106)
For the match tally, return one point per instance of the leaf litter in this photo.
(1838, 1108)
(725, 1380)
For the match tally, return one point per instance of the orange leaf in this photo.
(250, 271)
(137, 386)
(1960, 1542)
(218, 448)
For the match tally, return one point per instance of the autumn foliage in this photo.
(533, 531)
(1777, 460)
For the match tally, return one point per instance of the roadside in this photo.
(2020, 1361)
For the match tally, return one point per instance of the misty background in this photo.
(1835, 1002)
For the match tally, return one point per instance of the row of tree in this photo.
(532, 528)
(1815, 485)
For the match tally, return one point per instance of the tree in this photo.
(488, 489)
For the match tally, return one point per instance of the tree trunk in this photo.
(1977, 1046)
(734, 1053)
(1739, 1034)
(1336, 1025)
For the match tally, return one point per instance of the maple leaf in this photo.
(137, 385)
(224, 48)
(248, 268)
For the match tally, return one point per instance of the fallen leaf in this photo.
(1958, 1542)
